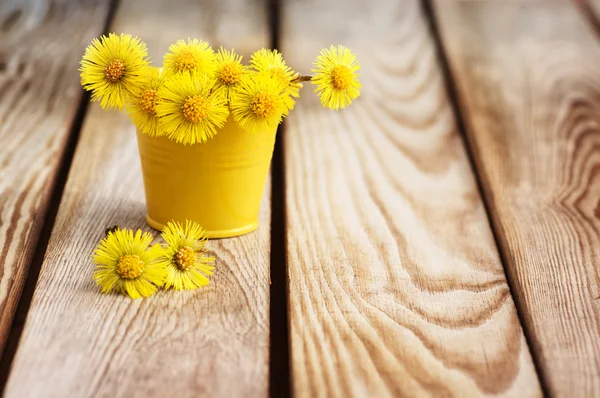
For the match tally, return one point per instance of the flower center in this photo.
(195, 108)
(148, 101)
(130, 266)
(231, 73)
(264, 105)
(341, 77)
(114, 70)
(186, 61)
(185, 258)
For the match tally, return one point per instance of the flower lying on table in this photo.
(185, 258)
(190, 100)
(127, 264)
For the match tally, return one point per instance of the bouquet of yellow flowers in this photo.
(191, 97)
(206, 123)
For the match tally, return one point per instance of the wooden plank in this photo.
(213, 341)
(396, 287)
(40, 46)
(594, 6)
(529, 89)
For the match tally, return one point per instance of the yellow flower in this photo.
(229, 71)
(189, 110)
(193, 56)
(127, 265)
(185, 259)
(271, 63)
(142, 107)
(336, 77)
(113, 68)
(258, 105)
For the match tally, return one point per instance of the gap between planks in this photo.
(279, 350)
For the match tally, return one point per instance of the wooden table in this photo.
(438, 238)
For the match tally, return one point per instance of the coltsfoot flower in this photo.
(336, 77)
(142, 107)
(229, 71)
(126, 264)
(191, 56)
(188, 266)
(190, 111)
(258, 104)
(272, 64)
(113, 68)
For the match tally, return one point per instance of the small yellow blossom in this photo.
(113, 68)
(258, 105)
(336, 77)
(271, 63)
(188, 266)
(191, 56)
(127, 265)
(190, 111)
(229, 71)
(142, 107)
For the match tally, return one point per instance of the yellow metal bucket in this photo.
(218, 184)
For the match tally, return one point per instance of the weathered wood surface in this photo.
(40, 46)
(529, 88)
(210, 342)
(396, 286)
(594, 6)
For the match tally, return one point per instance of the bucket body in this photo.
(219, 184)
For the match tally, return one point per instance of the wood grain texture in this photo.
(396, 287)
(529, 89)
(210, 342)
(594, 6)
(40, 45)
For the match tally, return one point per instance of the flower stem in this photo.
(302, 78)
